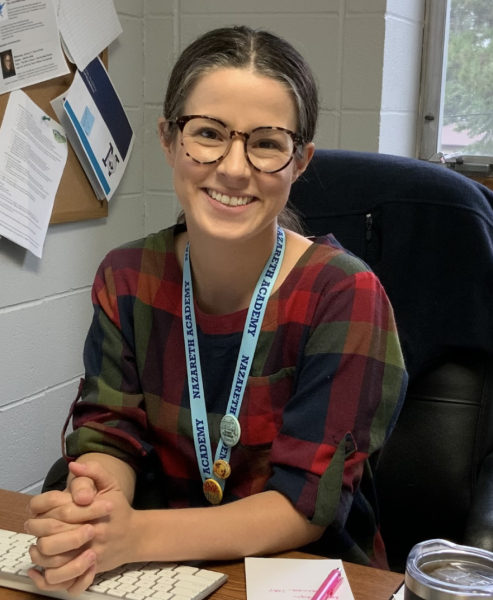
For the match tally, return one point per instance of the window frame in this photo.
(430, 112)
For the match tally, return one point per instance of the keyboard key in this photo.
(162, 587)
(128, 578)
(8, 569)
(185, 569)
(98, 588)
(116, 593)
(209, 575)
(185, 592)
(162, 596)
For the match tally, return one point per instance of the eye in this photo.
(208, 133)
(267, 145)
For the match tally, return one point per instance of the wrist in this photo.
(140, 536)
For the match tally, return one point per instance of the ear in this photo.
(168, 147)
(301, 162)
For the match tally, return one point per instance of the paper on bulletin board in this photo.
(99, 120)
(87, 28)
(33, 153)
(30, 49)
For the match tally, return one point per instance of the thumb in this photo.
(101, 478)
(83, 490)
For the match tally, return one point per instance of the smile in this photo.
(229, 200)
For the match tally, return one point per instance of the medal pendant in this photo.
(230, 430)
(212, 491)
(221, 469)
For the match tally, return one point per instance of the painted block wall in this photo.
(366, 56)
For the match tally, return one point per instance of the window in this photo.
(456, 108)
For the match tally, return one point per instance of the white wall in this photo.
(366, 56)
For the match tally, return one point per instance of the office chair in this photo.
(427, 233)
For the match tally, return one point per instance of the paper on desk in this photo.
(290, 578)
(87, 28)
(33, 153)
(97, 127)
(30, 49)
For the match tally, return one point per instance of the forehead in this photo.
(242, 99)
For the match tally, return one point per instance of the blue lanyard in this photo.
(251, 332)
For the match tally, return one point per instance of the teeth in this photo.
(229, 201)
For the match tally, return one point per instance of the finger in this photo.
(48, 501)
(102, 478)
(42, 584)
(71, 513)
(65, 542)
(75, 568)
(82, 582)
(52, 562)
(83, 490)
(40, 527)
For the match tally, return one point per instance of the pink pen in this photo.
(329, 586)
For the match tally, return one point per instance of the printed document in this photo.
(30, 50)
(97, 127)
(290, 578)
(33, 153)
(87, 28)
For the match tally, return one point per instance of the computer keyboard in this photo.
(134, 581)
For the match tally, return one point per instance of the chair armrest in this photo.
(479, 526)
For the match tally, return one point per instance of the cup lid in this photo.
(441, 570)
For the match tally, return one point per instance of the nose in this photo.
(235, 164)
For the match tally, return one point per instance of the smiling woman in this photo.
(230, 360)
(237, 183)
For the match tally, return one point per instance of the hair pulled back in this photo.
(244, 48)
(241, 47)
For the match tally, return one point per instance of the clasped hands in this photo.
(81, 531)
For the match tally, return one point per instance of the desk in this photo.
(366, 583)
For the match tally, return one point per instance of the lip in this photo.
(225, 207)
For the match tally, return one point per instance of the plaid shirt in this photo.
(323, 393)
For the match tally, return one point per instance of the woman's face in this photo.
(243, 101)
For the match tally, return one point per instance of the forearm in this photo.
(121, 470)
(260, 524)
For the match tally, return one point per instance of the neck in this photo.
(225, 274)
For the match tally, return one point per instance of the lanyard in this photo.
(250, 336)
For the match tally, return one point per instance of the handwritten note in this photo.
(290, 578)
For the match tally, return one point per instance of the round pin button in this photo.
(230, 430)
(221, 469)
(212, 491)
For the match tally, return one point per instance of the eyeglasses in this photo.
(208, 140)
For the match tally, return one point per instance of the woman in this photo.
(269, 417)
(8, 68)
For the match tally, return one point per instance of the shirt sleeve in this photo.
(347, 394)
(110, 416)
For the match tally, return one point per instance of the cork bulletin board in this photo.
(75, 199)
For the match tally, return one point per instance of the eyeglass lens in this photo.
(206, 140)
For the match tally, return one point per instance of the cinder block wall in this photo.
(366, 56)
